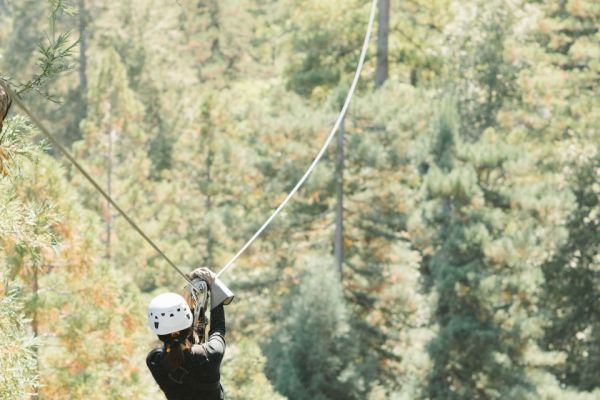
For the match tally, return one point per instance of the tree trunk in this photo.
(109, 168)
(338, 247)
(83, 83)
(414, 77)
(5, 103)
(383, 30)
(209, 237)
(35, 325)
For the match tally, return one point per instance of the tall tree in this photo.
(370, 213)
(317, 309)
(483, 78)
(483, 263)
(338, 243)
(559, 86)
(572, 286)
(83, 47)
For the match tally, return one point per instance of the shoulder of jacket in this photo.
(200, 353)
(154, 356)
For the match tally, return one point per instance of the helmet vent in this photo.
(171, 315)
(179, 309)
(163, 314)
(188, 316)
(156, 325)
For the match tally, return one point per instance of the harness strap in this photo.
(179, 378)
(180, 373)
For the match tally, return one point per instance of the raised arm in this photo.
(217, 321)
(214, 348)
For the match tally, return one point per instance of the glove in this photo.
(204, 274)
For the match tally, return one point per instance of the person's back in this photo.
(198, 376)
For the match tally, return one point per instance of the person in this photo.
(181, 368)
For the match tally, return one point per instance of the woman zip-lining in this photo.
(184, 366)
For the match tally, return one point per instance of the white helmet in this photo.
(168, 313)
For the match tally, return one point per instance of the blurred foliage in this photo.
(18, 358)
(243, 373)
(314, 323)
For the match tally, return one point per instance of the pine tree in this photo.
(557, 83)
(572, 296)
(204, 173)
(311, 355)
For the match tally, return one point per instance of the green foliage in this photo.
(18, 358)
(73, 304)
(445, 146)
(311, 353)
(54, 59)
(483, 266)
(322, 50)
(572, 297)
(481, 77)
(15, 142)
(54, 50)
(243, 375)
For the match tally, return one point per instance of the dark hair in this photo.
(175, 345)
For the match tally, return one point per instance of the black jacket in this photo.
(198, 377)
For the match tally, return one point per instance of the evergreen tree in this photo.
(311, 354)
(204, 173)
(374, 157)
(484, 262)
(572, 286)
(558, 83)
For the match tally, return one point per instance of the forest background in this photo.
(445, 248)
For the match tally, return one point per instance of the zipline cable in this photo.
(66, 153)
(316, 160)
